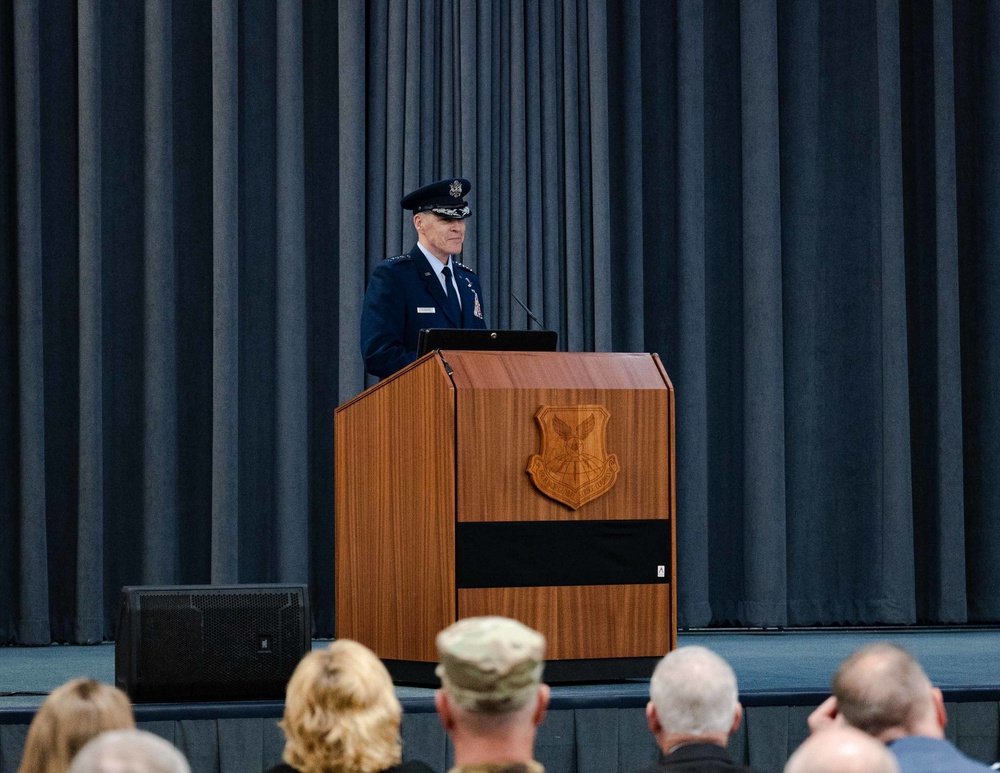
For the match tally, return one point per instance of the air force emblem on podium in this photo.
(574, 466)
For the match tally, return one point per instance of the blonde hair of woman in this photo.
(341, 712)
(73, 714)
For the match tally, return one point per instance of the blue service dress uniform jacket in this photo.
(405, 295)
(920, 754)
(698, 758)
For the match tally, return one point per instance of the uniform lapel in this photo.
(432, 282)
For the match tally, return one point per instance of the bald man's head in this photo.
(882, 688)
(841, 749)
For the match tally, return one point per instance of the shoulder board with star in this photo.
(463, 266)
(396, 258)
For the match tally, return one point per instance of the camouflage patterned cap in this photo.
(490, 664)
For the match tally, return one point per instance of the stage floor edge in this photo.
(787, 668)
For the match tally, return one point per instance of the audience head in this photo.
(842, 749)
(491, 698)
(490, 665)
(883, 691)
(692, 696)
(129, 751)
(72, 715)
(341, 712)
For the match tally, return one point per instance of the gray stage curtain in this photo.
(793, 201)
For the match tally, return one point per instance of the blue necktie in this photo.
(451, 302)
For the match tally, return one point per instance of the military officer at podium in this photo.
(427, 287)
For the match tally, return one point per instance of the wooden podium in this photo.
(539, 486)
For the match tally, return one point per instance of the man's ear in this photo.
(939, 711)
(444, 710)
(653, 719)
(542, 703)
(737, 718)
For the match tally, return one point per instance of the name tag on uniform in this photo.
(425, 309)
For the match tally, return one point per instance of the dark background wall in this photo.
(794, 202)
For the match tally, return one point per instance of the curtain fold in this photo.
(625, 95)
(226, 300)
(291, 470)
(895, 580)
(948, 601)
(9, 470)
(354, 207)
(977, 79)
(690, 363)
(931, 239)
(160, 447)
(89, 546)
(597, 285)
(764, 581)
(32, 622)
(792, 202)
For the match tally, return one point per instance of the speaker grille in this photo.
(170, 640)
(205, 643)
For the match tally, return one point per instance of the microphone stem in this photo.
(521, 304)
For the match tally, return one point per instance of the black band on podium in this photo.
(512, 554)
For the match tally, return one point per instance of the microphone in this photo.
(519, 303)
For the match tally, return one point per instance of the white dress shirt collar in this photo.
(437, 265)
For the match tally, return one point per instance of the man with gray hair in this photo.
(129, 751)
(491, 699)
(841, 749)
(692, 711)
(883, 691)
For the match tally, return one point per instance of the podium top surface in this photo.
(471, 370)
(555, 370)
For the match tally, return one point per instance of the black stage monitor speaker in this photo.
(210, 642)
